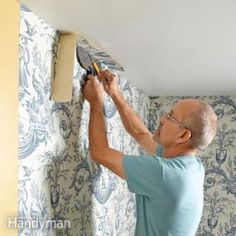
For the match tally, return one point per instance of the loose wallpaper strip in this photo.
(58, 182)
(100, 57)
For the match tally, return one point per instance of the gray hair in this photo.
(203, 125)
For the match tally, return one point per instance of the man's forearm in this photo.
(132, 123)
(98, 144)
(97, 132)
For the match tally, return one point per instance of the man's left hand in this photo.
(93, 90)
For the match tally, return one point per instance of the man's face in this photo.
(167, 131)
(172, 123)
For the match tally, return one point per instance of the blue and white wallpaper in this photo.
(219, 214)
(58, 182)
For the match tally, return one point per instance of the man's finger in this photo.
(106, 75)
(108, 72)
(91, 77)
(101, 76)
(88, 82)
(103, 73)
(104, 82)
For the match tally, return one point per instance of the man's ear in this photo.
(184, 136)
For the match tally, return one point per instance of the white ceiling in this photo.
(166, 47)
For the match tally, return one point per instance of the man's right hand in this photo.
(109, 82)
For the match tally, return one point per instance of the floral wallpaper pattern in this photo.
(57, 179)
(219, 214)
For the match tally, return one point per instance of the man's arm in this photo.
(132, 123)
(98, 144)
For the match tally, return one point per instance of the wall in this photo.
(57, 179)
(9, 24)
(219, 215)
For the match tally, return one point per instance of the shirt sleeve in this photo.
(144, 174)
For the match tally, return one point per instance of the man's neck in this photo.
(172, 153)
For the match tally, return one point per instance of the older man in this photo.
(168, 183)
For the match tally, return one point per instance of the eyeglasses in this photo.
(168, 116)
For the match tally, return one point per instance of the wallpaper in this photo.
(219, 214)
(60, 188)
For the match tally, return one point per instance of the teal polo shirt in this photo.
(169, 193)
